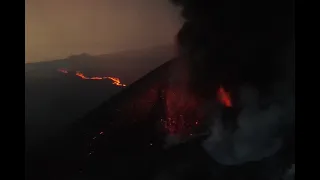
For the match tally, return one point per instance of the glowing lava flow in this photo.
(115, 81)
(224, 97)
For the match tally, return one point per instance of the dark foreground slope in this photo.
(55, 100)
(62, 156)
(122, 139)
(53, 103)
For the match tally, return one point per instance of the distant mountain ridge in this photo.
(166, 49)
(129, 65)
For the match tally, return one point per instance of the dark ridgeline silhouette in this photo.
(228, 42)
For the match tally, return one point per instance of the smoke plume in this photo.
(248, 48)
(234, 42)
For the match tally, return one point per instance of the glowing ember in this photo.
(188, 119)
(115, 81)
(79, 74)
(96, 78)
(224, 97)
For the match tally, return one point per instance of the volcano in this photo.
(222, 109)
(125, 137)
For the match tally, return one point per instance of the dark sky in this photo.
(58, 28)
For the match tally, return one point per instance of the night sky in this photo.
(58, 28)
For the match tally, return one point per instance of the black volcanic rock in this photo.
(121, 139)
(54, 99)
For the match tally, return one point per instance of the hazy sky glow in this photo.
(58, 28)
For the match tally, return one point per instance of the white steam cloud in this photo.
(260, 131)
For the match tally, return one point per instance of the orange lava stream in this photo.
(224, 97)
(115, 81)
